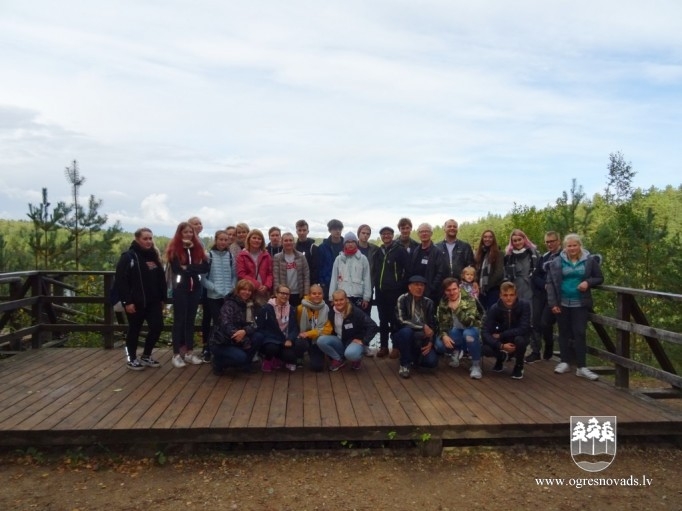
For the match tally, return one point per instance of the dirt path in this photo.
(501, 478)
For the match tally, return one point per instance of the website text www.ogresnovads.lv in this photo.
(581, 482)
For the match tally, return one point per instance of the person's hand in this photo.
(238, 336)
(364, 304)
(130, 308)
(357, 341)
(426, 349)
(428, 332)
(304, 335)
(583, 286)
(288, 343)
(448, 342)
(262, 289)
(556, 310)
(509, 347)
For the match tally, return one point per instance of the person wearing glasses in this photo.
(543, 319)
(279, 327)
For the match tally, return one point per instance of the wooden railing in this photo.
(40, 308)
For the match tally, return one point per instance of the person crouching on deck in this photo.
(416, 328)
(354, 330)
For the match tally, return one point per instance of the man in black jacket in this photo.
(428, 261)
(458, 253)
(415, 337)
(543, 319)
(506, 331)
(389, 265)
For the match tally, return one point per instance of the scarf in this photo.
(350, 250)
(282, 314)
(310, 315)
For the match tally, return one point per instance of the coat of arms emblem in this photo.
(593, 441)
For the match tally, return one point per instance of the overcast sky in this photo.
(271, 111)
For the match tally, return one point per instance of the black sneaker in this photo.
(135, 365)
(206, 356)
(501, 359)
(149, 362)
(517, 373)
(533, 357)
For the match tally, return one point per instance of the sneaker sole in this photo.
(132, 368)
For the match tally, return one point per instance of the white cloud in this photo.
(366, 111)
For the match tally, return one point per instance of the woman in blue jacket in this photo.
(570, 278)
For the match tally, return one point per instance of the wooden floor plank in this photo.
(415, 415)
(328, 411)
(35, 407)
(311, 401)
(373, 395)
(384, 385)
(74, 390)
(294, 417)
(279, 399)
(343, 399)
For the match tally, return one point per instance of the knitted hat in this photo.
(350, 237)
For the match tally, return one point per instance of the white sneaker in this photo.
(290, 367)
(454, 358)
(562, 368)
(178, 362)
(191, 358)
(584, 372)
(476, 372)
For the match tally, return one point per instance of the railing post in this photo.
(108, 313)
(37, 311)
(623, 312)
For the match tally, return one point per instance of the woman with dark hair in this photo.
(236, 340)
(520, 259)
(489, 268)
(254, 264)
(141, 287)
(570, 279)
(187, 260)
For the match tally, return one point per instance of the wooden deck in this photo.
(81, 396)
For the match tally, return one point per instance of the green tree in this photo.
(72, 223)
(571, 212)
(45, 243)
(619, 179)
(530, 220)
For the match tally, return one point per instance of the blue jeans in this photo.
(234, 355)
(462, 337)
(332, 346)
(410, 343)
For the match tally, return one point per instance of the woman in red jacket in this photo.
(254, 264)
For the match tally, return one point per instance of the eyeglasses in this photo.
(283, 293)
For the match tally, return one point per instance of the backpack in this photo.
(114, 297)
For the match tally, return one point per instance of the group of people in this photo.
(276, 302)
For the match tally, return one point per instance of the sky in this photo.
(266, 112)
